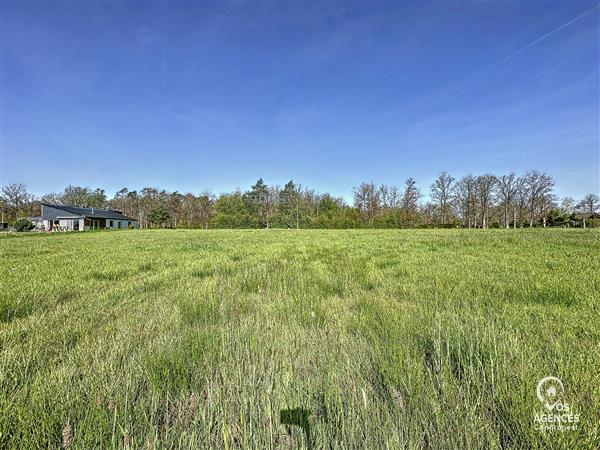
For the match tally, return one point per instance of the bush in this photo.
(23, 225)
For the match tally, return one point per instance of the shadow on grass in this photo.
(297, 417)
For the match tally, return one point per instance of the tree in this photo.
(2, 209)
(430, 213)
(16, 200)
(204, 208)
(442, 190)
(287, 212)
(507, 191)
(52, 198)
(83, 197)
(590, 204)
(567, 205)
(149, 197)
(410, 201)
(258, 202)
(175, 200)
(556, 218)
(538, 187)
(485, 185)
(389, 196)
(466, 198)
(159, 214)
(331, 212)
(476, 201)
(368, 201)
(230, 211)
(124, 201)
(521, 200)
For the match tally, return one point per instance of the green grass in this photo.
(354, 339)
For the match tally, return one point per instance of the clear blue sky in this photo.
(194, 95)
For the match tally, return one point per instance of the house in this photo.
(585, 220)
(70, 218)
(591, 220)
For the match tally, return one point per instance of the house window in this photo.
(111, 223)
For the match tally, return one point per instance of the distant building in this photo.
(70, 218)
(585, 220)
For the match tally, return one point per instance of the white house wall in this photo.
(66, 224)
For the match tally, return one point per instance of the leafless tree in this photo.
(590, 204)
(485, 185)
(389, 196)
(567, 205)
(16, 199)
(430, 213)
(204, 208)
(442, 191)
(466, 198)
(539, 188)
(508, 185)
(15, 196)
(367, 201)
(410, 200)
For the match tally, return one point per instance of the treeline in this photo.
(474, 201)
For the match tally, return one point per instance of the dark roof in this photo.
(587, 215)
(94, 213)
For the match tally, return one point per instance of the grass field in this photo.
(297, 339)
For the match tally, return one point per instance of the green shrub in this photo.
(23, 225)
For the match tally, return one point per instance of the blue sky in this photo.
(195, 95)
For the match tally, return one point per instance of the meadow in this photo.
(276, 339)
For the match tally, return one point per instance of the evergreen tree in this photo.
(287, 207)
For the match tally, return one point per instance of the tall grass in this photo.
(297, 339)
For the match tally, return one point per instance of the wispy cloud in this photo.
(451, 90)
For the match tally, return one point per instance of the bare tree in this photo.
(567, 205)
(83, 197)
(204, 208)
(15, 195)
(367, 200)
(430, 212)
(508, 187)
(486, 185)
(16, 199)
(521, 201)
(442, 190)
(539, 194)
(466, 197)
(389, 196)
(150, 197)
(589, 204)
(410, 200)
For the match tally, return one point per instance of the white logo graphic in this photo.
(550, 391)
(558, 416)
